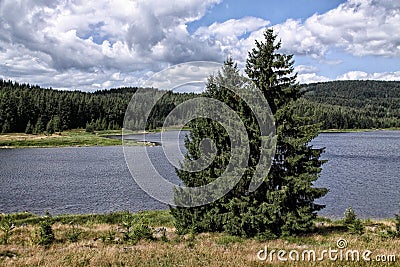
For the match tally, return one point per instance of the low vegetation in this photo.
(149, 239)
(62, 139)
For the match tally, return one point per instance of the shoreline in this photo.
(358, 130)
(80, 138)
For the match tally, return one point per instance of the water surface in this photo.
(362, 172)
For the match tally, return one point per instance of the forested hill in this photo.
(352, 104)
(31, 109)
(337, 105)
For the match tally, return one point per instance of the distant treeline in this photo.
(31, 109)
(352, 104)
(337, 105)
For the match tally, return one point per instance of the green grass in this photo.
(100, 240)
(153, 218)
(70, 138)
(78, 137)
(63, 139)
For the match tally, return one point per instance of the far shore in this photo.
(358, 130)
(81, 138)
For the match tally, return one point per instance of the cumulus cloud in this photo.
(59, 37)
(311, 78)
(109, 43)
(361, 75)
(360, 27)
(304, 69)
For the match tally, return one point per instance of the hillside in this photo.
(352, 104)
(336, 105)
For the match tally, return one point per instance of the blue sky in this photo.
(276, 11)
(91, 45)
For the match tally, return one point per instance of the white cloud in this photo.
(110, 43)
(311, 78)
(304, 69)
(229, 31)
(232, 36)
(360, 27)
(59, 37)
(191, 74)
(361, 75)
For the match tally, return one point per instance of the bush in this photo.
(6, 227)
(349, 216)
(397, 217)
(73, 234)
(45, 235)
(109, 237)
(356, 227)
(89, 128)
(136, 229)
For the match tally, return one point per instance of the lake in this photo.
(362, 172)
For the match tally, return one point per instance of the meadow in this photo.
(149, 238)
(77, 137)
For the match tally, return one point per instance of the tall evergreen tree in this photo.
(29, 128)
(39, 126)
(288, 193)
(219, 215)
(284, 203)
(50, 127)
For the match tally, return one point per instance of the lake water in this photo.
(362, 172)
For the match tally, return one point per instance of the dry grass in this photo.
(23, 136)
(66, 138)
(93, 249)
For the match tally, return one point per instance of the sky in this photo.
(91, 45)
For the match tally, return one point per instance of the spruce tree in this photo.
(56, 123)
(29, 128)
(6, 127)
(50, 127)
(284, 203)
(234, 211)
(220, 214)
(287, 195)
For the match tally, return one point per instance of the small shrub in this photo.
(366, 238)
(6, 227)
(397, 217)
(136, 229)
(141, 231)
(349, 216)
(164, 237)
(45, 235)
(388, 233)
(356, 227)
(89, 128)
(73, 234)
(191, 238)
(108, 237)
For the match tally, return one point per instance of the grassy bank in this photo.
(149, 239)
(77, 137)
(64, 139)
